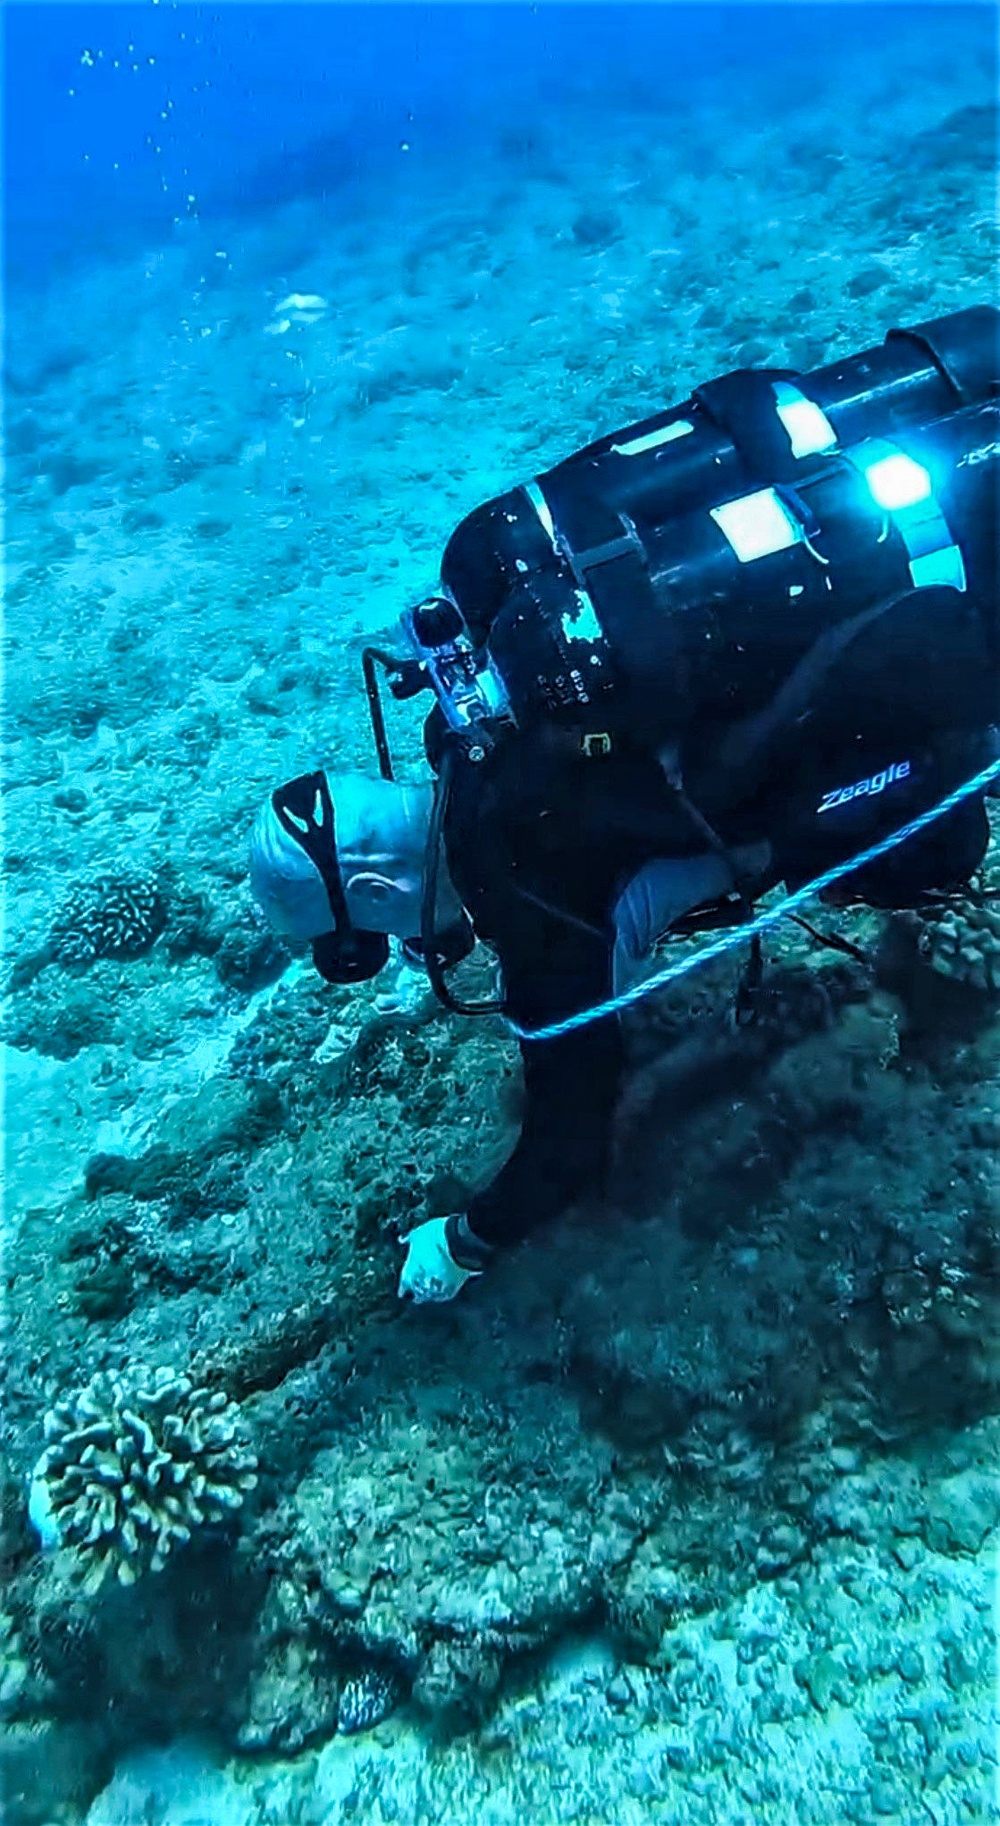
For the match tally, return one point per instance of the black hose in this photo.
(428, 897)
(368, 659)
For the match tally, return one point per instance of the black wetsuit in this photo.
(819, 687)
(538, 818)
(571, 832)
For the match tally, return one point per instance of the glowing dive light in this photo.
(896, 482)
(902, 487)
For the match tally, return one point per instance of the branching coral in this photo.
(365, 1701)
(134, 1465)
(108, 916)
(960, 940)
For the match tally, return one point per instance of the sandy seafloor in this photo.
(686, 1512)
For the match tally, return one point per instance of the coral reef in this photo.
(132, 1467)
(365, 1701)
(108, 916)
(960, 940)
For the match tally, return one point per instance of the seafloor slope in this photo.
(685, 1513)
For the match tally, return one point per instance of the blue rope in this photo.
(764, 921)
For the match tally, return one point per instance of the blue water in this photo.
(123, 119)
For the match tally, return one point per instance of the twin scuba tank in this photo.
(676, 575)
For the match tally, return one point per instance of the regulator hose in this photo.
(428, 898)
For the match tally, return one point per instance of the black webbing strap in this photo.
(743, 405)
(965, 347)
(304, 808)
(605, 554)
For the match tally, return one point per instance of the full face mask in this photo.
(304, 809)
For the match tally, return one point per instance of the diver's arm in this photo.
(662, 891)
(571, 1087)
(553, 969)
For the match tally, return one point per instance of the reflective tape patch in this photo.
(542, 509)
(757, 525)
(667, 434)
(809, 430)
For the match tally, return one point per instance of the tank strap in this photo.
(743, 405)
(603, 550)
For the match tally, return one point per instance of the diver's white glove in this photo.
(430, 1271)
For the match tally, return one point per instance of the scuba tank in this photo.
(683, 566)
(688, 584)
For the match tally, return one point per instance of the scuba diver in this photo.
(724, 649)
